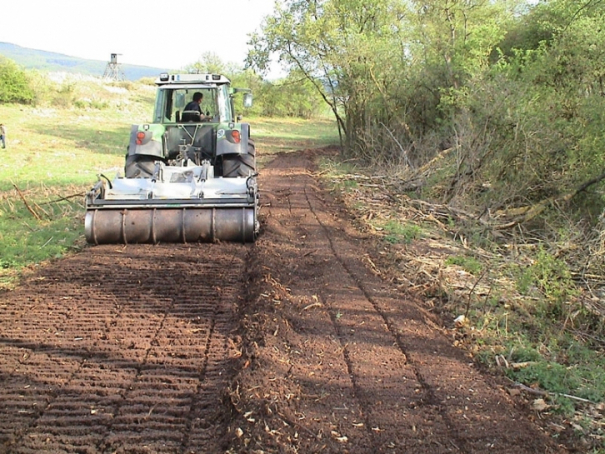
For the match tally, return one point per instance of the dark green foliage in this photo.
(517, 91)
(540, 113)
(575, 371)
(293, 96)
(15, 85)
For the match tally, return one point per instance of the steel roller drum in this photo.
(170, 225)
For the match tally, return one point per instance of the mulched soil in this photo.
(121, 349)
(289, 345)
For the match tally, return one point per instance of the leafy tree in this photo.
(14, 83)
(332, 43)
(390, 70)
(294, 96)
(515, 90)
(558, 104)
(211, 63)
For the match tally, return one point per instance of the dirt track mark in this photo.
(373, 424)
(355, 366)
(121, 350)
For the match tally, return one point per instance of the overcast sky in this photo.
(166, 33)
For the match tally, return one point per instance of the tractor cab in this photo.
(175, 91)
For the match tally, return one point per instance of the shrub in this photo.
(65, 96)
(14, 83)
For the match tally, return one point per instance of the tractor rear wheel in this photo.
(139, 166)
(240, 165)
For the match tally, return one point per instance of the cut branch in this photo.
(61, 199)
(530, 212)
(31, 210)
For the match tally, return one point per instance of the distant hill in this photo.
(53, 62)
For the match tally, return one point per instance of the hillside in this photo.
(54, 62)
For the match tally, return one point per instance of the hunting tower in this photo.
(113, 70)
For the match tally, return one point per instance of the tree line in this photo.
(290, 96)
(494, 104)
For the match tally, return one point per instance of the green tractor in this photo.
(190, 174)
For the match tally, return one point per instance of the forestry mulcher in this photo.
(190, 174)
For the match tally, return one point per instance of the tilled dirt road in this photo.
(121, 349)
(290, 345)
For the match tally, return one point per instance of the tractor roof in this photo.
(175, 79)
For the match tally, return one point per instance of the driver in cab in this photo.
(193, 111)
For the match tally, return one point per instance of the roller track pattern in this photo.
(354, 366)
(121, 349)
(290, 345)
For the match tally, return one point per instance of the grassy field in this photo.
(280, 135)
(54, 155)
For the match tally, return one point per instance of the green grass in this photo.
(401, 232)
(55, 153)
(291, 134)
(52, 157)
(469, 264)
(553, 359)
(27, 238)
(331, 168)
(564, 366)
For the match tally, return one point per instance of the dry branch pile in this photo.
(447, 232)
